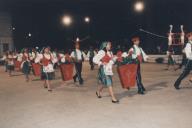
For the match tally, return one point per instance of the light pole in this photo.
(29, 34)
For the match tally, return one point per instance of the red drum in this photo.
(36, 69)
(127, 74)
(67, 71)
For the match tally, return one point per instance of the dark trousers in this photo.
(184, 61)
(186, 71)
(139, 79)
(91, 63)
(78, 68)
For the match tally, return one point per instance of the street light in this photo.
(139, 6)
(67, 20)
(29, 34)
(87, 19)
(77, 39)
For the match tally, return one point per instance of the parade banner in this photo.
(67, 71)
(36, 69)
(17, 65)
(127, 74)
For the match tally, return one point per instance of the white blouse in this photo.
(97, 58)
(48, 56)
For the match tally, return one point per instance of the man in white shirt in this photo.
(78, 57)
(188, 66)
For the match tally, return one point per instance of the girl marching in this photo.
(105, 61)
(10, 63)
(46, 60)
(26, 65)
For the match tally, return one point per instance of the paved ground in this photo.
(29, 105)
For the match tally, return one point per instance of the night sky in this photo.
(114, 20)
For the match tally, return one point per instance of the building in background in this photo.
(6, 35)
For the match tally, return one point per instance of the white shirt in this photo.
(10, 60)
(188, 51)
(48, 56)
(79, 54)
(97, 58)
(137, 52)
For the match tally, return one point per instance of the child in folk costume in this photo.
(188, 66)
(78, 57)
(4, 58)
(46, 60)
(138, 55)
(10, 62)
(26, 64)
(105, 61)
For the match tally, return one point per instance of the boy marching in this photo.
(78, 57)
(139, 56)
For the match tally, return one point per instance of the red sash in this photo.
(106, 58)
(45, 61)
